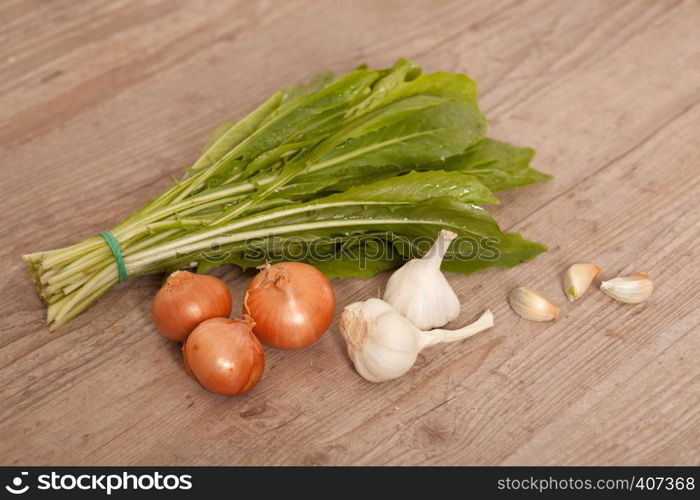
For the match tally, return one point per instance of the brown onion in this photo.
(186, 299)
(224, 355)
(292, 304)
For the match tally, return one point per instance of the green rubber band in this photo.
(113, 245)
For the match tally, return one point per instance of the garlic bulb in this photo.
(531, 305)
(631, 289)
(578, 278)
(383, 345)
(420, 292)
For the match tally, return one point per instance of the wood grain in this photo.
(101, 102)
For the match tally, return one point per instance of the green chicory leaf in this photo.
(353, 174)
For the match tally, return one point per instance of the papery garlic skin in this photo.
(631, 289)
(531, 305)
(420, 292)
(383, 345)
(578, 278)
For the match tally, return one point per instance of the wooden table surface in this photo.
(102, 102)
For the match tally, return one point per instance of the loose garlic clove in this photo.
(631, 289)
(531, 305)
(578, 278)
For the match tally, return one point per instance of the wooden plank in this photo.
(100, 106)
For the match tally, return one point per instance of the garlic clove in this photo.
(631, 289)
(578, 278)
(531, 305)
(420, 292)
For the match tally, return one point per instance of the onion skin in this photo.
(185, 300)
(224, 356)
(292, 304)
